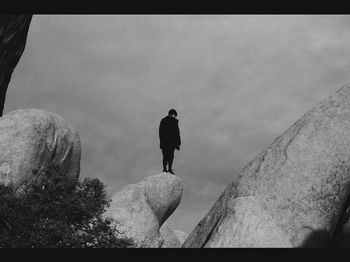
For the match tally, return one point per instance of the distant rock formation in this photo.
(13, 36)
(142, 208)
(173, 238)
(34, 140)
(293, 194)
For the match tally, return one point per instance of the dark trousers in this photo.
(168, 157)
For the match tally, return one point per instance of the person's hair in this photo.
(172, 112)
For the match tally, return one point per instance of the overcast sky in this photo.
(236, 81)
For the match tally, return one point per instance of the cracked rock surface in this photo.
(292, 194)
(33, 142)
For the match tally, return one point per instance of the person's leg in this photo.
(164, 159)
(171, 158)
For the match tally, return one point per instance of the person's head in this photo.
(172, 112)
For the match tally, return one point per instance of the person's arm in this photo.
(178, 135)
(160, 133)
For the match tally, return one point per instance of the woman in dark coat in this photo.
(169, 135)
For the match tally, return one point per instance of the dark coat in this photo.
(169, 133)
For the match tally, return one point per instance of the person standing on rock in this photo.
(169, 135)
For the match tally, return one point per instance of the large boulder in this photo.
(173, 238)
(293, 194)
(13, 36)
(141, 209)
(34, 142)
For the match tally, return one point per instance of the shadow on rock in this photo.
(317, 239)
(321, 239)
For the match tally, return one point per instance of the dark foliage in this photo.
(58, 214)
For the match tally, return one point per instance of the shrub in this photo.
(57, 213)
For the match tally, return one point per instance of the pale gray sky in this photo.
(237, 82)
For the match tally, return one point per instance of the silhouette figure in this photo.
(169, 135)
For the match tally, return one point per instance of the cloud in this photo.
(237, 82)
